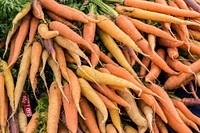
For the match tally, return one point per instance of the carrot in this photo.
(61, 61)
(71, 114)
(13, 122)
(155, 127)
(44, 57)
(179, 105)
(194, 49)
(33, 28)
(22, 120)
(35, 62)
(174, 124)
(62, 10)
(178, 66)
(45, 33)
(108, 26)
(22, 75)
(88, 114)
(161, 125)
(102, 126)
(55, 17)
(181, 78)
(110, 128)
(82, 124)
(124, 74)
(37, 10)
(9, 83)
(21, 14)
(68, 57)
(66, 32)
(90, 94)
(103, 89)
(31, 126)
(110, 44)
(187, 121)
(54, 107)
(23, 31)
(70, 46)
(122, 21)
(62, 128)
(192, 90)
(48, 44)
(108, 103)
(95, 55)
(150, 29)
(152, 41)
(102, 78)
(130, 129)
(146, 61)
(155, 71)
(148, 112)
(181, 4)
(4, 104)
(155, 7)
(168, 43)
(193, 4)
(144, 14)
(106, 59)
(10, 35)
(56, 70)
(167, 103)
(115, 118)
(194, 34)
(172, 53)
(133, 112)
(128, 58)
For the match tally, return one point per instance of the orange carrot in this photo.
(103, 89)
(122, 21)
(88, 114)
(35, 62)
(181, 4)
(144, 14)
(68, 57)
(167, 103)
(155, 127)
(141, 26)
(66, 32)
(174, 124)
(71, 114)
(61, 61)
(168, 43)
(31, 126)
(37, 10)
(33, 28)
(45, 33)
(126, 54)
(146, 61)
(172, 53)
(75, 89)
(179, 105)
(187, 121)
(54, 107)
(110, 128)
(161, 125)
(55, 17)
(108, 26)
(106, 59)
(152, 6)
(155, 71)
(23, 31)
(63, 11)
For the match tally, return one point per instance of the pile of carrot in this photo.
(100, 69)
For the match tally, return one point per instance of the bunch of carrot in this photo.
(102, 69)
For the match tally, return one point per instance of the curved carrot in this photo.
(37, 10)
(146, 61)
(45, 33)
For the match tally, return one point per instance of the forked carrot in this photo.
(35, 62)
(71, 114)
(55, 103)
(88, 114)
(91, 95)
(144, 14)
(45, 33)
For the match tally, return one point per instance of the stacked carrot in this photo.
(151, 49)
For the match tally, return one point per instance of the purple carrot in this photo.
(190, 101)
(13, 122)
(193, 5)
(48, 44)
